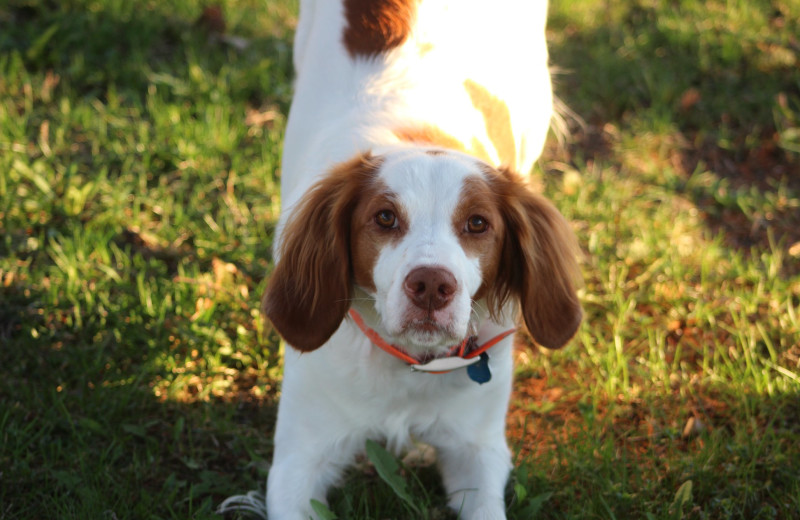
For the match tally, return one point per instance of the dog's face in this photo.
(423, 242)
(435, 240)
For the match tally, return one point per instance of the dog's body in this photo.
(474, 72)
(399, 203)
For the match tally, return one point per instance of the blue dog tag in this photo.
(479, 372)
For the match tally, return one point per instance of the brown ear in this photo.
(539, 263)
(310, 289)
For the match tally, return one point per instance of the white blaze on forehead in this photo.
(428, 184)
(429, 187)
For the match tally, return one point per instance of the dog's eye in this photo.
(386, 219)
(477, 224)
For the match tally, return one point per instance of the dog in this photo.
(409, 242)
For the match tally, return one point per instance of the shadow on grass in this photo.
(85, 433)
(94, 320)
(121, 46)
(610, 456)
(695, 96)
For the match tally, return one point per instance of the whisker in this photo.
(351, 300)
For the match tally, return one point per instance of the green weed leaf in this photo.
(682, 497)
(534, 505)
(136, 430)
(322, 510)
(35, 51)
(520, 492)
(388, 469)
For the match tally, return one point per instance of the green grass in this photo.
(139, 190)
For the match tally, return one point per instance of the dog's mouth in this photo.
(427, 325)
(428, 333)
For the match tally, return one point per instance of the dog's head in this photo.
(430, 241)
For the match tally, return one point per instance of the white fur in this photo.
(335, 398)
(343, 106)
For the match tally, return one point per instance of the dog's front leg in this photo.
(299, 475)
(290, 489)
(475, 476)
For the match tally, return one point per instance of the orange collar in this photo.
(462, 355)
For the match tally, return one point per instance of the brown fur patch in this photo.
(478, 199)
(497, 118)
(368, 238)
(429, 134)
(434, 136)
(310, 289)
(538, 263)
(377, 26)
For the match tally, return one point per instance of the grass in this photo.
(138, 191)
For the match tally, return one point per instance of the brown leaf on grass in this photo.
(223, 271)
(149, 245)
(143, 241)
(774, 56)
(693, 428)
(202, 305)
(44, 138)
(8, 278)
(51, 81)
(261, 118)
(690, 98)
(212, 20)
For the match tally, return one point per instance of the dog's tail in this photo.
(253, 503)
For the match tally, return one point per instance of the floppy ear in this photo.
(538, 263)
(310, 289)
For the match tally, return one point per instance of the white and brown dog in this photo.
(407, 242)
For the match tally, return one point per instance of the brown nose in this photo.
(430, 288)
